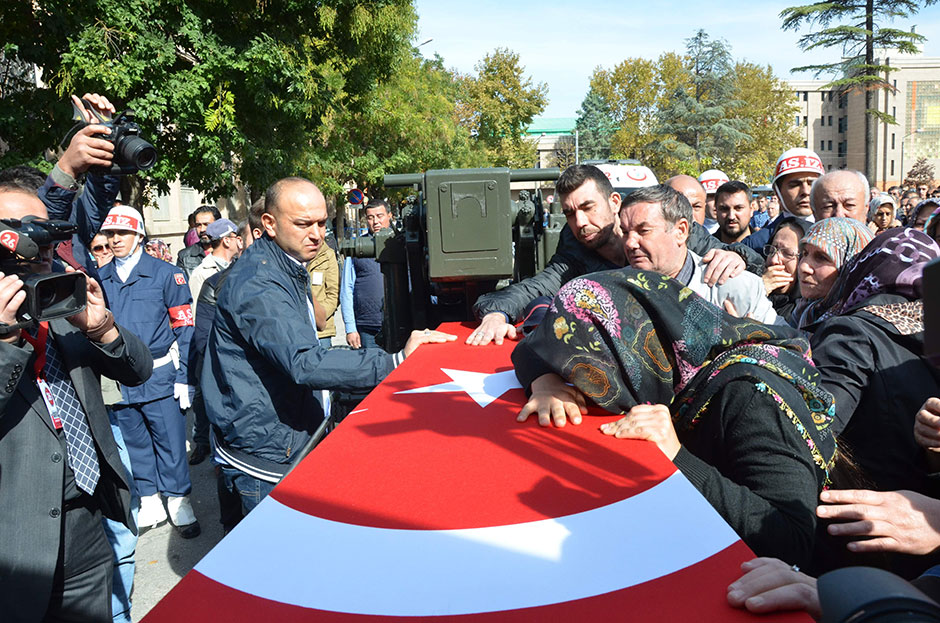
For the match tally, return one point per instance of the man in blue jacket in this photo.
(264, 359)
(152, 299)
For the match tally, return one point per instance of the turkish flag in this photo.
(430, 500)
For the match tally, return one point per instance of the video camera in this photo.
(131, 153)
(49, 295)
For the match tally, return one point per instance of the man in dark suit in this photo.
(59, 463)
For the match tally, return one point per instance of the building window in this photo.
(843, 122)
(892, 140)
(830, 96)
(805, 123)
(822, 145)
(830, 120)
(842, 145)
(822, 96)
(805, 144)
(892, 167)
(829, 146)
(805, 95)
(829, 167)
(822, 120)
(797, 121)
(894, 112)
(894, 84)
(842, 101)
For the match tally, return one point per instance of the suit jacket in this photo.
(32, 459)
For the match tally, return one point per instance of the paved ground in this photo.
(163, 557)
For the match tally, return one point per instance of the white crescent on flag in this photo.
(431, 501)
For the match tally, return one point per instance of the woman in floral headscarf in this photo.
(868, 346)
(733, 403)
(158, 249)
(824, 250)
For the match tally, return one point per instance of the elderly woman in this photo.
(782, 256)
(733, 403)
(882, 213)
(825, 249)
(868, 346)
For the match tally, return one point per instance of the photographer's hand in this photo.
(99, 103)
(85, 150)
(95, 320)
(12, 296)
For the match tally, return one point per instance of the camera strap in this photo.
(39, 345)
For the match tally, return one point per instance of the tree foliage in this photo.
(498, 104)
(225, 89)
(595, 126)
(768, 110)
(921, 173)
(700, 123)
(856, 28)
(408, 124)
(563, 156)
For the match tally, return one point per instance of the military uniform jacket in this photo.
(154, 303)
(33, 457)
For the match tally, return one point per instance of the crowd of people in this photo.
(771, 347)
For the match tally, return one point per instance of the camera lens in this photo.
(137, 152)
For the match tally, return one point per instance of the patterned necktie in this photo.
(83, 458)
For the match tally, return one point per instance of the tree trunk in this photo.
(132, 191)
(871, 160)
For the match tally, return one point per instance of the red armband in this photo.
(181, 316)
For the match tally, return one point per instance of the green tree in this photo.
(227, 90)
(700, 122)
(921, 173)
(408, 124)
(498, 104)
(768, 109)
(634, 91)
(595, 126)
(855, 28)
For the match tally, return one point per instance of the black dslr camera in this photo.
(49, 295)
(131, 153)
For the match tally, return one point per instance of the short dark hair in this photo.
(577, 174)
(22, 177)
(378, 203)
(672, 203)
(733, 187)
(208, 209)
(254, 214)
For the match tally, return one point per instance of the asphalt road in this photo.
(163, 557)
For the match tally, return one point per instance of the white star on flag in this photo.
(483, 387)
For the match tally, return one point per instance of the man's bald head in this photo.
(280, 190)
(840, 193)
(691, 189)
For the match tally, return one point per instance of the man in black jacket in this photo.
(60, 464)
(592, 242)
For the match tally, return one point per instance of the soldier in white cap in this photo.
(710, 181)
(794, 174)
(151, 298)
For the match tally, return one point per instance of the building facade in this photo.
(834, 126)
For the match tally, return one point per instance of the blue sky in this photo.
(560, 43)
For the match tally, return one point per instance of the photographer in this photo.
(60, 464)
(85, 151)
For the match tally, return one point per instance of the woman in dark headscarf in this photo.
(868, 347)
(733, 403)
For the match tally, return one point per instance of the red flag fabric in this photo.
(430, 500)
